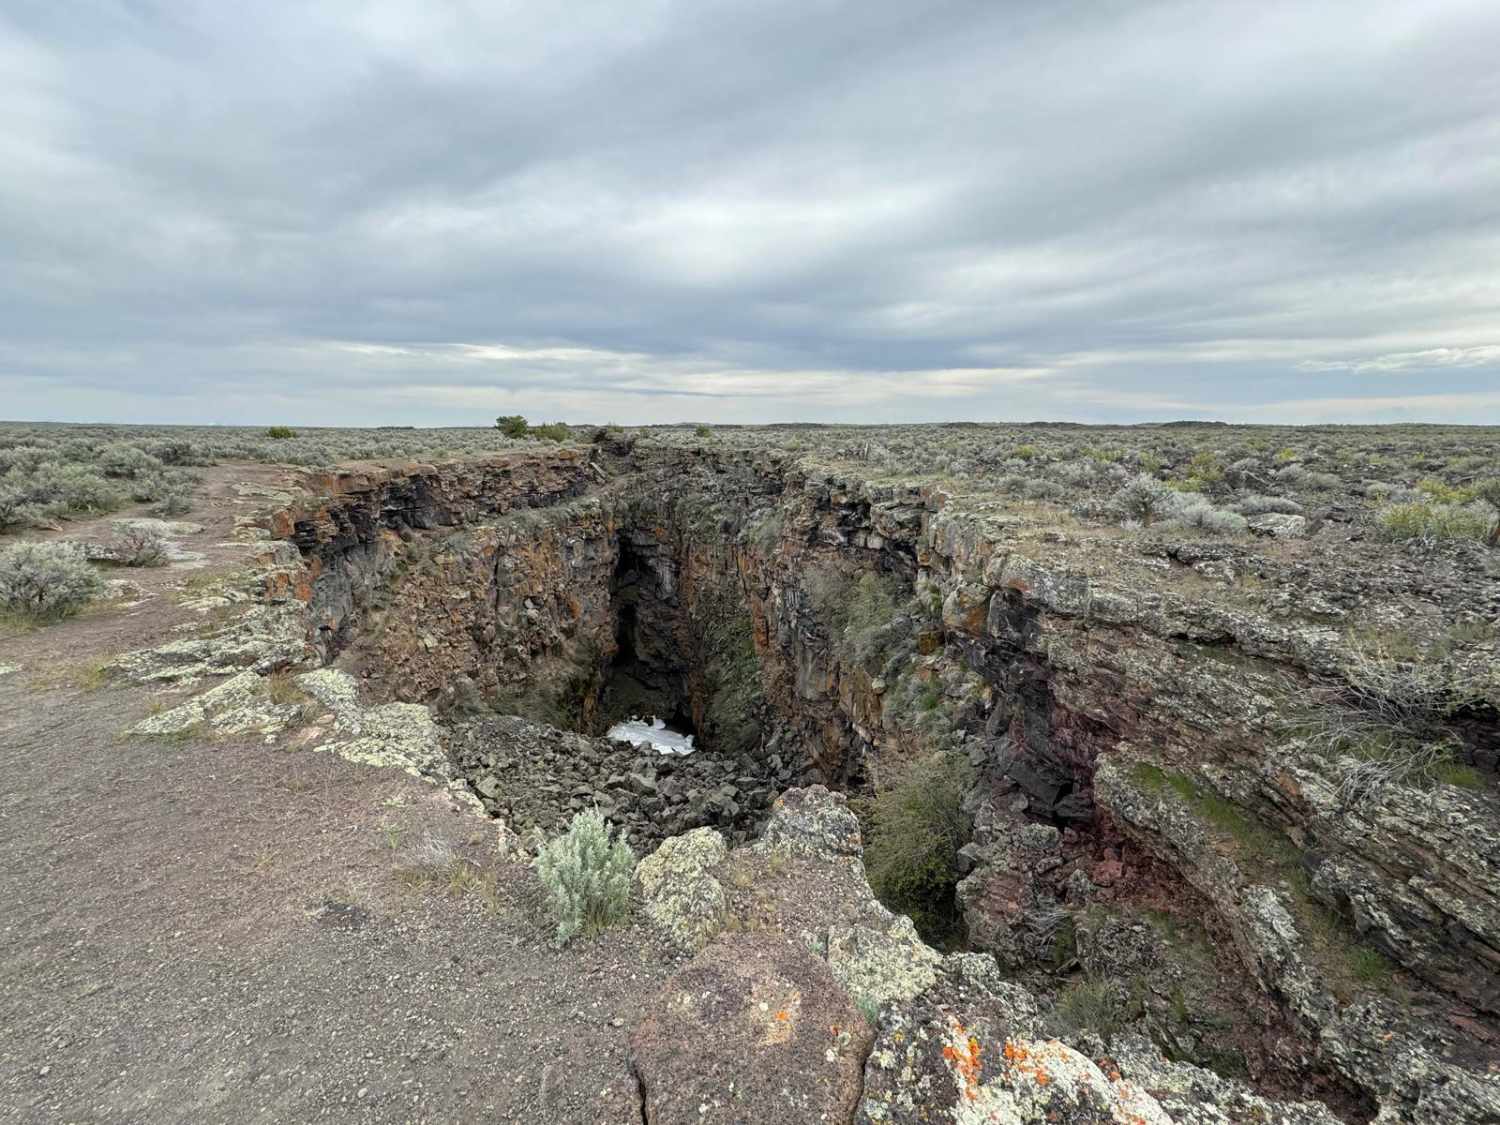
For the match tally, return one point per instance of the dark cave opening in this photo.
(647, 677)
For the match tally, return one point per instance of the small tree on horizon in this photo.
(512, 425)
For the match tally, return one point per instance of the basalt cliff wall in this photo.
(1130, 703)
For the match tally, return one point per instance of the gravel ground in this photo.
(219, 931)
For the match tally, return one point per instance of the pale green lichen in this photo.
(240, 705)
(881, 959)
(680, 894)
(398, 735)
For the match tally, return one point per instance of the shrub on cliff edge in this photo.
(586, 875)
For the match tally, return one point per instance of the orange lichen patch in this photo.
(964, 1057)
(1023, 1061)
(281, 585)
(774, 1011)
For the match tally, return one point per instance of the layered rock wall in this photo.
(1128, 700)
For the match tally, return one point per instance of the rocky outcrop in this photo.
(753, 1029)
(679, 892)
(1129, 702)
(850, 1022)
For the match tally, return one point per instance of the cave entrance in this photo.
(647, 693)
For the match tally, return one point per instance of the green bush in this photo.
(860, 613)
(1426, 521)
(552, 431)
(175, 500)
(1196, 512)
(45, 581)
(70, 488)
(1144, 498)
(512, 425)
(914, 826)
(123, 460)
(281, 433)
(15, 512)
(138, 546)
(586, 876)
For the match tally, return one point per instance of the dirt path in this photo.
(224, 931)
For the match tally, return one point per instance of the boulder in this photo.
(1278, 525)
(970, 1051)
(681, 897)
(754, 1029)
(812, 822)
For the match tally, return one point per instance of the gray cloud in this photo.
(389, 211)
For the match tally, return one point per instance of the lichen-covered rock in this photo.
(1278, 525)
(679, 892)
(927, 1050)
(969, 1051)
(1193, 1096)
(753, 1029)
(399, 735)
(812, 822)
(263, 639)
(240, 705)
(881, 960)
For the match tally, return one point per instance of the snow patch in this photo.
(666, 741)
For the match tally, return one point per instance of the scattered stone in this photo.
(1278, 525)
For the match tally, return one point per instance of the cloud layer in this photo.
(365, 211)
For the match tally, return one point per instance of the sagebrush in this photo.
(585, 873)
(46, 580)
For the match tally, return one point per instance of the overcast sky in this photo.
(431, 211)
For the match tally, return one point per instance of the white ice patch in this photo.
(656, 732)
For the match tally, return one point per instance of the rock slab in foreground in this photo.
(754, 1029)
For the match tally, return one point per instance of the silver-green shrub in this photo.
(1255, 505)
(15, 512)
(46, 580)
(586, 875)
(1196, 512)
(127, 461)
(1144, 498)
(138, 546)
